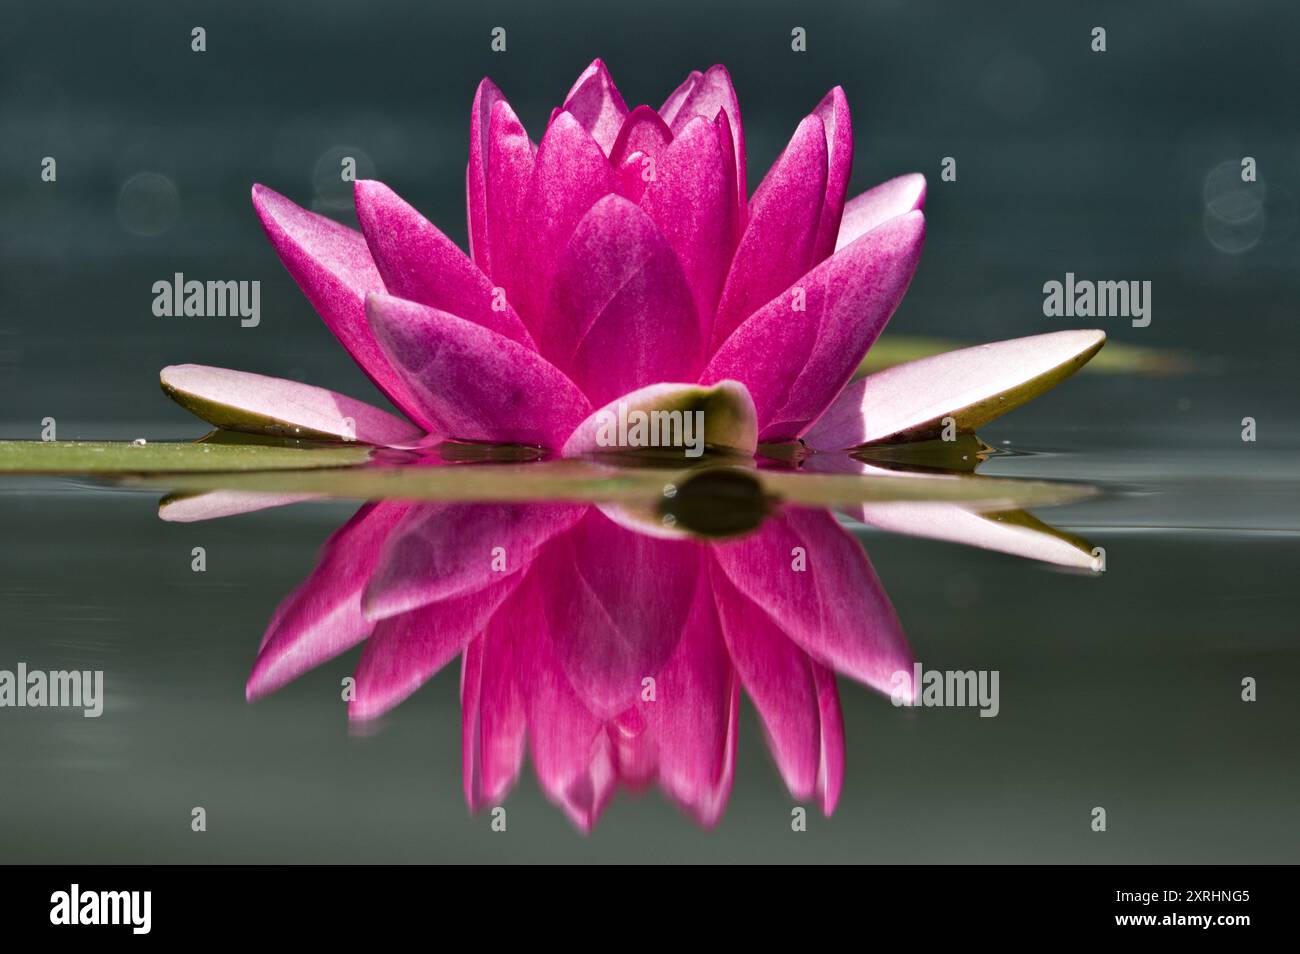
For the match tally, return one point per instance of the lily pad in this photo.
(119, 457)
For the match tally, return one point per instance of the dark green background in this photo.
(1068, 160)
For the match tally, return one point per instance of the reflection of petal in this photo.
(441, 551)
(213, 504)
(972, 385)
(830, 773)
(779, 678)
(1011, 531)
(322, 617)
(571, 752)
(493, 725)
(1014, 532)
(693, 715)
(616, 606)
(834, 608)
(406, 651)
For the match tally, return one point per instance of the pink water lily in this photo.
(618, 260)
(555, 663)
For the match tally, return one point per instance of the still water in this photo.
(668, 682)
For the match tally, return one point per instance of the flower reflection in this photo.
(615, 656)
(611, 645)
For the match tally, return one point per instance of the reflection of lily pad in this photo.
(962, 455)
(306, 470)
(579, 480)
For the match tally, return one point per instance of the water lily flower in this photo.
(618, 263)
(534, 599)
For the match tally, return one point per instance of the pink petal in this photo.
(322, 617)
(643, 131)
(446, 550)
(633, 176)
(835, 608)
(781, 236)
(876, 206)
(692, 200)
(476, 171)
(708, 94)
(480, 385)
(571, 752)
(777, 677)
(693, 715)
(493, 723)
(596, 103)
(728, 415)
(636, 751)
(972, 385)
(795, 363)
(332, 266)
(419, 263)
(637, 151)
(1013, 532)
(740, 212)
(241, 401)
(406, 651)
(592, 576)
(570, 175)
(834, 113)
(622, 312)
(830, 770)
(510, 175)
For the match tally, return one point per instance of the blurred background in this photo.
(1115, 165)
(1120, 690)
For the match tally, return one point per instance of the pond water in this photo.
(665, 676)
